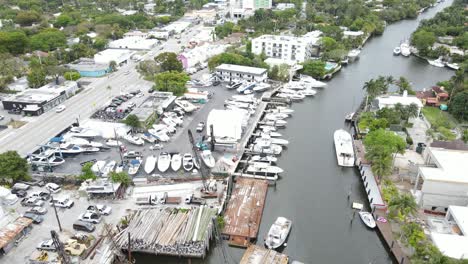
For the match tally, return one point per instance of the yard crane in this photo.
(213, 141)
(204, 171)
(59, 247)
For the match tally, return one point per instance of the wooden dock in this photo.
(259, 255)
(244, 211)
(385, 231)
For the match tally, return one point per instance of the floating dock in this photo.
(244, 211)
(259, 255)
(169, 231)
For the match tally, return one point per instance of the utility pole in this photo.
(56, 214)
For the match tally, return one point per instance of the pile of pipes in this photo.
(169, 231)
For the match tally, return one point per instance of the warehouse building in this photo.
(236, 73)
(120, 56)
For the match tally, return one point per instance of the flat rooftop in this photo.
(240, 68)
(452, 166)
(244, 211)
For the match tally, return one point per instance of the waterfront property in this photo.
(450, 234)
(258, 255)
(244, 211)
(287, 48)
(236, 73)
(391, 100)
(444, 180)
(35, 102)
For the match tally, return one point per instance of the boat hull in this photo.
(344, 148)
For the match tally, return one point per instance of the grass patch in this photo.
(16, 123)
(439, 118)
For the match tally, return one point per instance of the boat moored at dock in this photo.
(344, 148)
(278, 233)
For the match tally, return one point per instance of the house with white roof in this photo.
(450, 234)
(120, 56)
(443, 179)
(390, 101)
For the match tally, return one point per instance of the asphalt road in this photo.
(40, 129)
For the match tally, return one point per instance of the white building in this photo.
(236, 73)
(450, 235)
(200, 54)
(287, 48)
(176, 27)
(227, 127)
(136, 33)
(284, 6)
(133, 43)
(352, 34)
(120, 56)
(245, 8)
(444, 179)
(391, 100)
(159, 34)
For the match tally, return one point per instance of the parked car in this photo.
(37, 210)
(19, 186)
(60, 108)
(216, 83)
(63, 202)
(46, 245)
(32, 202)
(1, 117)
(83, 226)
(99, 208)
(41, 195)
(90, 217)
(52, 187)
(37, 219)
(15, 111)
(20, 193)
(200, 127)
(132, 154)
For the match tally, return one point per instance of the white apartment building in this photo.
(287, 48)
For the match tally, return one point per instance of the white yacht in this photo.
(311, 82)
(135, 140)
(344, 148)
(266, 148)
(437, 63)
(69, 149)
(187, 162)
(276, 123)
(208, 158)
(46, 160)
(113, 143)
(176, 161)
(405, 49)
(134, 166)
(264, 158)
(308, 92)
(353, 54)
(280, 109)
(276, 116)
(278, 233)
(261, 87)
(164, 161)
(83, 132)
(453, 66)
(82, 142)
(108, 168)
(396, 51)
(263, 168)
(98, 166)
(150, 163)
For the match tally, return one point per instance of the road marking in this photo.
(6, 136)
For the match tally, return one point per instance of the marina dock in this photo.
(259, 255)
(244, 211)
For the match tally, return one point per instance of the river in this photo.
(313, 191)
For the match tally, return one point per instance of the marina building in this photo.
(34, 102)
(391, 100)
(236, 73)
(443, 180)
(287, 48)
(450, 234)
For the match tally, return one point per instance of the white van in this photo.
(63, 202)
(52, 187)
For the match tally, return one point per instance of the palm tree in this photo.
(372, 90)
(413, 110)
(403, 206)
(381, 164)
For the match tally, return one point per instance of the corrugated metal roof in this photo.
(10, 231)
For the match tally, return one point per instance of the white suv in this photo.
(63, 202)
(90, 217)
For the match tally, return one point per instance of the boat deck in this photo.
(371, 187)
(259, 255)
(244, 211)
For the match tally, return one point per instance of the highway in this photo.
(40, 129)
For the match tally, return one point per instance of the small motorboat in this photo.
(405, 49)
(280, 109)
(396, 51)
(42, 160)
(261, 87)
(208, 158)
(113, 143)
(120, 168)
(349, 117)
(148, 138)
(134, 166)
(264, 158)
(278, 233)
(187, 162)
(437, 63)
(90, 149)
(308, 92)
(353, 54)
(150, 163)
(82, 132)
(98, 166)
(453, 66)
(69, 149)
(108, 168)
(176, 161)
(368, 219)
(263, 168)
(267, 129)
(135, 140)
(276, 123)
(164, 161)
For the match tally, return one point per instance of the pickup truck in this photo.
(32, 202)
(40, 195)
(147, 200)
(99, 209)
(192, 199)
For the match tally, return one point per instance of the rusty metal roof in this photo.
(10, 231)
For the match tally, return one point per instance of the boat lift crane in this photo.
(204, 171)
(59, 247)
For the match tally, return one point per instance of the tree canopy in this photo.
(120, 177)
(168, 62)
(13, 167)
(87, 173)
(171, 81)
(314, 68)
(48, 39)
(132, 121)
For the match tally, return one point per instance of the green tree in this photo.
(87, 173)
(62, 21)
(13, 167)
(113, 66)
(273, 73)
(168, 62)
(36, 77)
(100, 43)
(10, 67)
(402, 206)
(132, 121)
(14, 42)
(121, 177)
(148, 68)
(423, 40)
(459, 106)
(328, 43)
(171, 81)
(314, 68)
(48, 39)
(27, 18)
(72, 75)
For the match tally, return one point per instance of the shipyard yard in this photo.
(209, 194)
